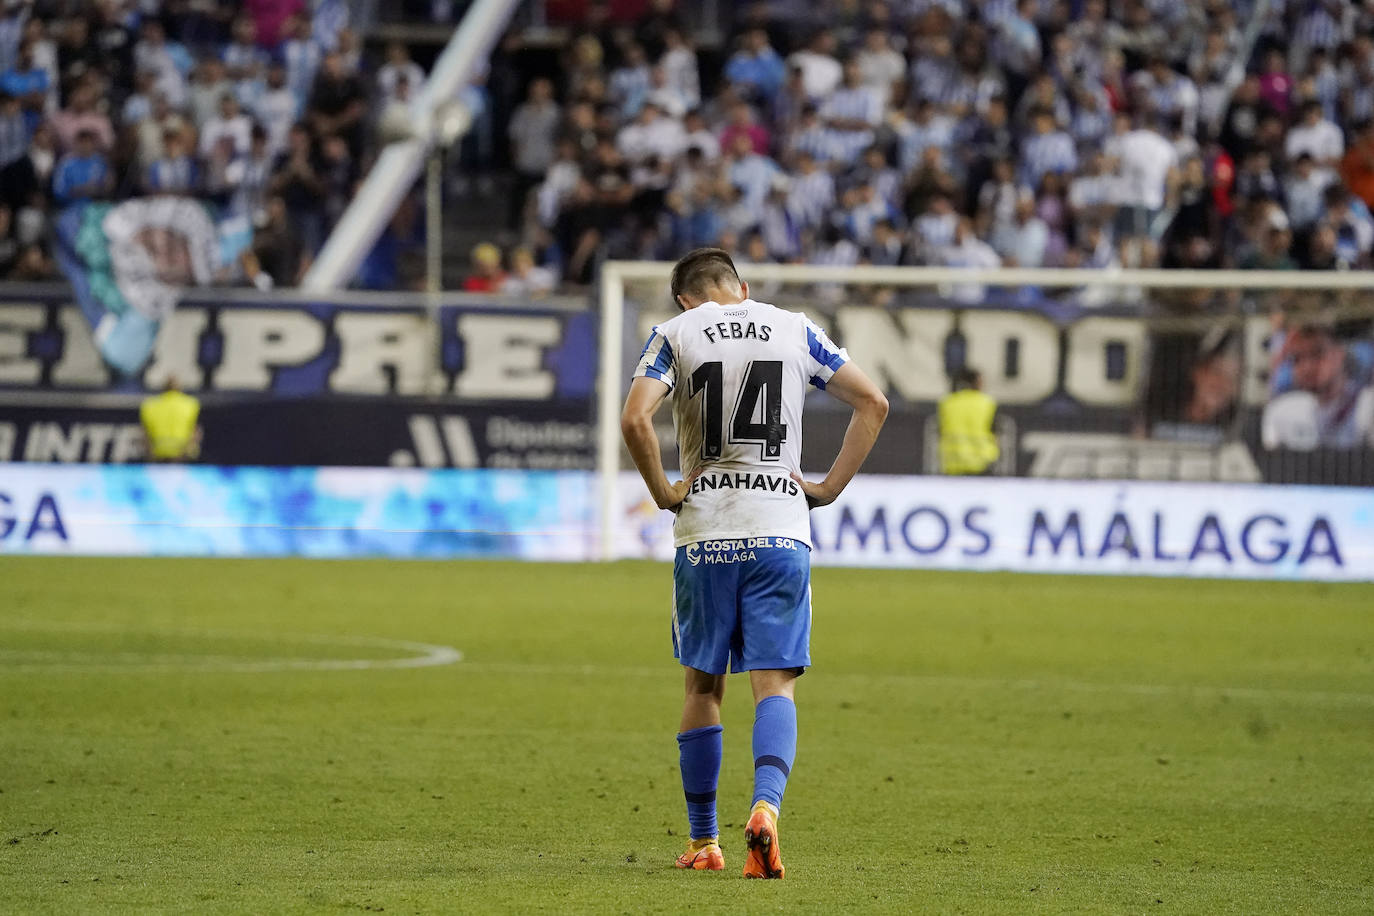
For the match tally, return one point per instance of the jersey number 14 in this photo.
(764, 378)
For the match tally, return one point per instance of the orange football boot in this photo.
(764, 859)
(702, 855)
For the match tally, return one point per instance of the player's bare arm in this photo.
(637, 426)
(869, 405)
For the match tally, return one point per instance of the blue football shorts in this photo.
(745, 601)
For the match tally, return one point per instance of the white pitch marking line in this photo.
(423, 655)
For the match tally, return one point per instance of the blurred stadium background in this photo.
(398, 258)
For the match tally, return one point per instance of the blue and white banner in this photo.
(1114, 528)
(244, 345)
(312, 512)
(128, 264)
(1098, 527)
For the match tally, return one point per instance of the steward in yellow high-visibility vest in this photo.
(967, 443)
(169, 423)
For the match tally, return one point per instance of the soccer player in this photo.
(737, 371)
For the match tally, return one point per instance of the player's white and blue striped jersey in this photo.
(739, 376)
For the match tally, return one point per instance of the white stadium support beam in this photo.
(400, 162)
(609, 394)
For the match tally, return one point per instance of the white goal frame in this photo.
(615, 275)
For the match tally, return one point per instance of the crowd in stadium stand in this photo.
(953, 132)
(257, 107)
(1087, 133)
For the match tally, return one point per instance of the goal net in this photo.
(1225, 376)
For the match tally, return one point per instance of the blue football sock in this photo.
(775, 747)
(699, 752)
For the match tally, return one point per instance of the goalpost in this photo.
(1240, 301)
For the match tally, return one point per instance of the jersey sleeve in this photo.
(823, 358)
(657, 360)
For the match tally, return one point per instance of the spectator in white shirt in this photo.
(679, 63)
(935, 229)
(853, 106)
(229, 123)
(821, 72)
(880, 67)
(561, 179)
(1354, 227)
(700, 137)
(1316, 136)
(751, 173)
(527, 278)
(651, 134)
(276, 109)
(1304, 191)
(1025, 242)
(1147, 164)
(1093, 192)
(208, 85)
(968, 251)
(398, 63)
(665, 95)
(929, 128)
(628, 86)
(154, 52)
(1170, 93)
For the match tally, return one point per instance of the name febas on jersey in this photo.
(738, 375)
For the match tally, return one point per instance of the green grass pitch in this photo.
(173, 737)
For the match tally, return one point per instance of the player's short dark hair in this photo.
(702, 270)
(966, 377)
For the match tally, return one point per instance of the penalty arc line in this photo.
(422, 655)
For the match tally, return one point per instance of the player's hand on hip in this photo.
(817, 494)
(677, 492)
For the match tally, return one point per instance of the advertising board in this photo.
(1009, 524)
